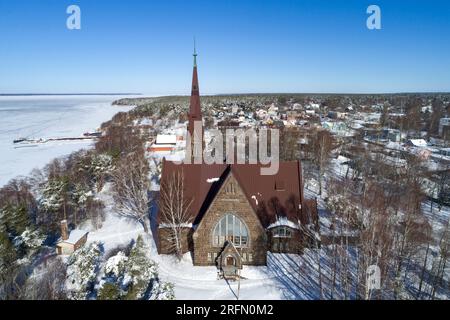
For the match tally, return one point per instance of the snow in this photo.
(75, 236)
(283, 222)
(162, 145)
(170, 225)
(418, 142)
(195, 282)
(116, 230)
(212, 180)
(166, 139)
(115, 264)
(286, 276)
(45, 117)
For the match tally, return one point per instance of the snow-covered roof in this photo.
(166, 139)
(163, 145)
(283, 222)
(171, 225)
(418, 142)
(75, 236)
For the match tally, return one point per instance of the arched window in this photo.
(282, 232)
(230, 228)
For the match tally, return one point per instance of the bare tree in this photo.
(320, 148)
(174, 209)
(131, 188)
(441, 262)
(48, 286)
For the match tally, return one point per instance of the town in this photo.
(361, 189)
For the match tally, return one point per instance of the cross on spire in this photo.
(195, 54)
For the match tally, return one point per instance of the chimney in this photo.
(64, 232)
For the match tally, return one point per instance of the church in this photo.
(234, 214)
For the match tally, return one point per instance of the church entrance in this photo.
(231, 261)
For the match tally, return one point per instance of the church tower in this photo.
(195, 124)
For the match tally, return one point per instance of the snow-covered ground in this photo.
(280, 279)
(45, 117)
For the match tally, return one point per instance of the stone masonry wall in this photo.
(230, 199)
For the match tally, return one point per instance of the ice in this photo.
(45, 117)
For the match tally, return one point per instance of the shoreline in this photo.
(78, 114)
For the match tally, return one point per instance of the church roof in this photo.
(271, 196)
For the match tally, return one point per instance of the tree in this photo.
(321, 145)
(50, 285)
(174, 208)
(131, 188)
(55, 197)
(413, 116)
(82, 271)
(436, 115)
(133, 277)
(289, 145)
(384, 118)
(98, 166)
(141, 270)
(109, 291)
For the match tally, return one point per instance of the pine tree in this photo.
(109, 291)
(82, 271)
(7, 255)
(20, 220)
(141, 270)
(5, 215)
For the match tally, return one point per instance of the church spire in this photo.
(195, 55)
(195, 112)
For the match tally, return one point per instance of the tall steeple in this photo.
(195, 112)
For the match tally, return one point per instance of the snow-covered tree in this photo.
(109, 291)
(162, 291)
(134, 277)
(99, 166)
(7, 255)
(141, 271)
(31, 239)
(174, 208)
(14, 219)
(52, 197)
(49, 284)
(82, 270)
(131, 189)
(116, 265)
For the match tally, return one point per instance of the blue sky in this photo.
(243, 46)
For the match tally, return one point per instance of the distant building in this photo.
(419, 143)
(70, 242)
(393, 135)
(444, 124)
(336, 115)
(164, 143)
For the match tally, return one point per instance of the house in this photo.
(233, 214)
(419, 143)
(164, 143)
(70, 242)
(444, 123)
(394, 135)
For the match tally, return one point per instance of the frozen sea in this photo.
(47, 117)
